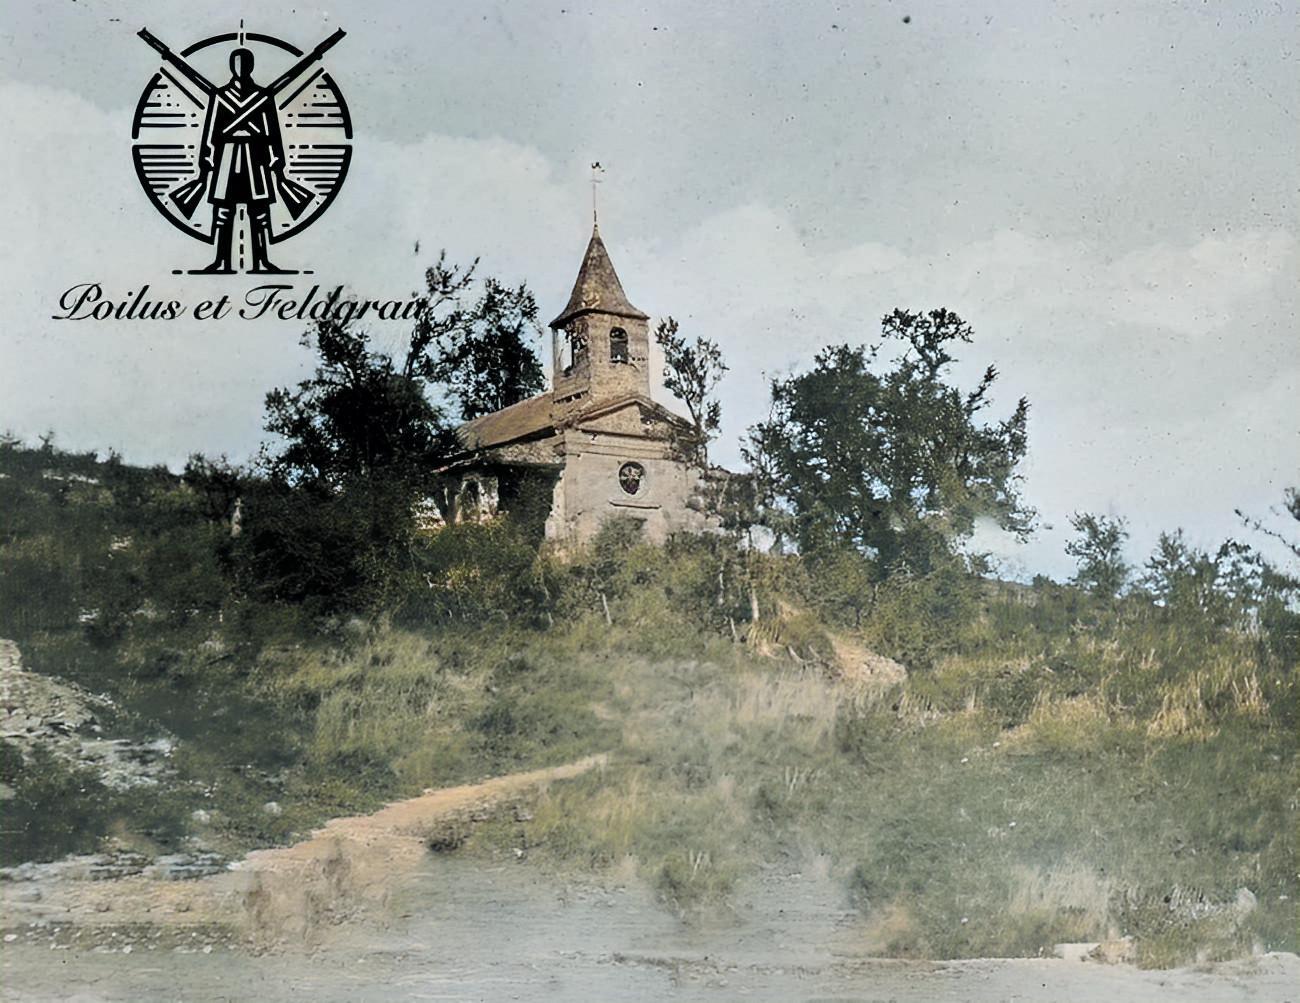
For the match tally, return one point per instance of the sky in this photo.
(1107, 192)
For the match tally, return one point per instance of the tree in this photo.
(1099, 551)
(1279, 607)
(692, 372)
(360, 420)
(217, 484)
(1291, 504)
(483, 361)
(890, 460)
(1220, 589)
(360, 443)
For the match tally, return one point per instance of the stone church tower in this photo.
(595, 439)
(601, 342)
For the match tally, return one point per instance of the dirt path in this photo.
(461, 929)
(443, 927)
(286, 895)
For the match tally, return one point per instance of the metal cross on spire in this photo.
(596, 171)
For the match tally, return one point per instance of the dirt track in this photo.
(284, 896)
(438, 927)
(462, 931)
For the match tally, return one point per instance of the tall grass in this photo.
(986, 770)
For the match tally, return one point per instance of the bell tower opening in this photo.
(618, 345)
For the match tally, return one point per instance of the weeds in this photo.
(989, 769)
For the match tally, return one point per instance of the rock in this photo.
(1075, 952)
(200, 816)
(185, 866)
(121, 864)
(1245, 902)
(38, 711)
(1113, 952)
(10, 938)
(7, 793)
(273, 808)
(27, 895)
(858, 664)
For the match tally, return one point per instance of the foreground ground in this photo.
(461, 931)
(384, 907)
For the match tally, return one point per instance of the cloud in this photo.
(1162, 381)
(1162, 377)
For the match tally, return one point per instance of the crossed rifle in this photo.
(188, 195)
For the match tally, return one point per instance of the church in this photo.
(595, 441)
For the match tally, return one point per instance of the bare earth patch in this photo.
(283, 895)
(443, 927)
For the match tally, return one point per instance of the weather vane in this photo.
(596, 171)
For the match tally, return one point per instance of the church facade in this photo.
(595, 441)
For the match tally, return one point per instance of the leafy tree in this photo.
(892, 460)
(1279, 609)
(692, 372)
(1291, 504)
(483, 360)
(360, 419)
(217, 483)
(361, 441)
(1099, 551)
(1220, 589)
(360, 444)
(365, 414)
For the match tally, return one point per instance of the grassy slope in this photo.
(1149, 767)
(955, 835)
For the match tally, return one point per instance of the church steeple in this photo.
(601, 341)
(597, 289)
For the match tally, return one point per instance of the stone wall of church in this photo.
(622, 475)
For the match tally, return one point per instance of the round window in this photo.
(631, 476)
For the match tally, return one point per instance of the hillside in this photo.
(979, 770)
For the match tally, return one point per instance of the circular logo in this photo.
(241, 134)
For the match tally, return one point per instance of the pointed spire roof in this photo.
(597, 289)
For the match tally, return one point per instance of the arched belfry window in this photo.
(618, 345)
(573, 351)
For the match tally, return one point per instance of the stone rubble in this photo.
(38, 711)
(112, 865)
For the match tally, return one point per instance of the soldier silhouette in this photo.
(241, 159)
(242, 154)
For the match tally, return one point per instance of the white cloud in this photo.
(1163, 379)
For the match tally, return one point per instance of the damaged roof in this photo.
(538, 417)
(524, 420)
